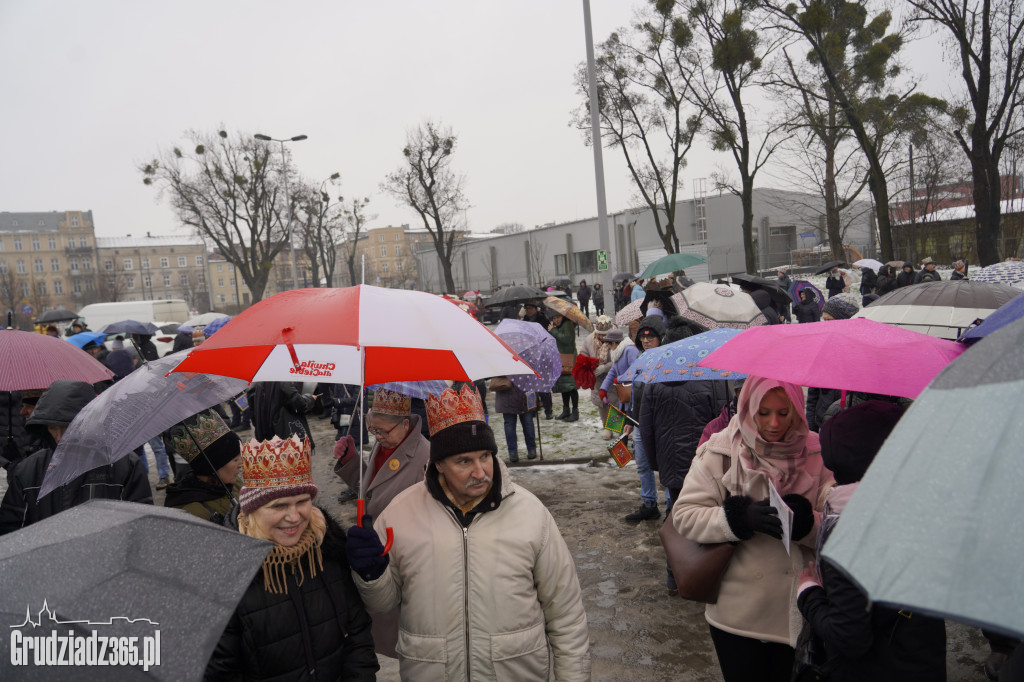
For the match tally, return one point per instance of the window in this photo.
(165, 262)
(584, 261)
(108, 265)
(398, 251)
(127, 263)
(89, 286)
(37, 265)
(398, 236)
(21, 267)
(71, 242)
(73, 264)
(398, 266)
(14, 223)
(221, 297)
(84, 243)
(183, 278)
(35, 243)
(58, 287)
(561, 264)
(220, 281)
(17, 243)
(231, 282)
(199, 261)
(220, 268)
(382, 237)
(74, 221)
(234, 298)
(3, 267)
(1, 244)
(129, 282)
(41, 288)
(86, 264)
(145, 264)
(76, 285)
(24, 289)
(167, 280)
(383, 267)
(182, 262)
(383, 251)
(52, 243)
(201, 278)
(147, 282)
(54, 265)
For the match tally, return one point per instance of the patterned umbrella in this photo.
(209, 329)
(717, 305)
(1008, 272)
(413, 389)
(799, 285)
(538, 348)
(629, 312)
(37, 360)
(677, 361)
(568, 310)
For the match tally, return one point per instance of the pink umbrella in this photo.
(855, 355)
(33, 361)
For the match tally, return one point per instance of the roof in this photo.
(159, 240)
(1006, 207)
(33, 221)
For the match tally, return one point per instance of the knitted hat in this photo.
(839, 309)
(219, 443)
(457, 424)
(273, 469)
(851, 439)
(926, 261)
(613, 335)
(603, 323)
(391, 402)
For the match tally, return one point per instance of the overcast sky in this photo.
(90, 89)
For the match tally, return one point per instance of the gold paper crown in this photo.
(205, 427)
(390, 402)
(276, 462)
(452, 408)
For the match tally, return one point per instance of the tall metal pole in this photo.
(604, 277)
(288, 205)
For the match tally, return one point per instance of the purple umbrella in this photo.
(799, 285)
(538, 348)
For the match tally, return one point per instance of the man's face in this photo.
(27, 408)
(468, 475)
(530, 309)
(930, 267)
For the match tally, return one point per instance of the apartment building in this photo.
(133, 268)
(390, 256)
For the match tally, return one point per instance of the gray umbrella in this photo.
(143, 404)
(936, 523)
(58, 315)
(125, 570)
(515, 294)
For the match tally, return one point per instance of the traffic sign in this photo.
(602, 260)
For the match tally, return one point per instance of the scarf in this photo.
(793, 464)
(469, 506)
(275, 579)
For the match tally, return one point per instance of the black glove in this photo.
(803, 515)
(746, 517)
(364, 549)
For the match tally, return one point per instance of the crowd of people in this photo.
(456, 570)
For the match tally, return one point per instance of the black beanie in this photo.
(469, 436)
(851, 439)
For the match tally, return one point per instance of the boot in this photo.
(547, 413)
(513, 457)
(531, 454)
(574, 416)
(644, 513)
(565, 413)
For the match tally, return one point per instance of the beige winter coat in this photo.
(504, 589)
(758, 594)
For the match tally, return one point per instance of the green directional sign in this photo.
(602, 260)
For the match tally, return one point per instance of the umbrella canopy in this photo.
(854, 298)
(130, 327)
(568, 310)
(335, 335)
(1010, 312)
(537, 347)
(829, 265)
(140, 406)
(1008, 272)
(674, 262)
(629, 312)
(202, 320)
(943, 309)
(778, 294)
(856, 355)
(127, 570)
(217, 324)
(37, 360)
(869, 263)
(935, 523)
(58, 315)
(558, 282)
(82, 338)
(717, 305)
(623, 277)
(799, 285)
(677, 361)
(413, 389)
(897, 264)
(515, 295)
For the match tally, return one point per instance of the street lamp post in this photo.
(288, 199)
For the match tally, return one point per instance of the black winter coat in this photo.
(927, 276)
(884, 284)
(318, 631)
(672, 418)
(807, 311)
(279, 409)
(818, 402)
(15, 441)
(868, 279)
(905, 278)
(866, 642)
(835, 285)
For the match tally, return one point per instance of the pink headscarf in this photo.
(794, 463)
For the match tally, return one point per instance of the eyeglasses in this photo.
(382, 433)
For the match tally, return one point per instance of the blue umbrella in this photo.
(215, 325)
(538, 348)
(677, 361)
(413, 389)
(130, 327)
(83, 338)
(1003, 316)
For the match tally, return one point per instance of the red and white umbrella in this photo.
(34, 361)
(356, 335)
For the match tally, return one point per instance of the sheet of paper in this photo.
(785, 513)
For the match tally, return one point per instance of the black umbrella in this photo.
(829, 265)
(58, 315)
(126, 570)
(515, 295)
(559, 282)
(778, 294)
(624, 277)
(130, 327)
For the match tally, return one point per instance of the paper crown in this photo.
(452, 408)
(276, 462)
(205, 428)
(391, 402)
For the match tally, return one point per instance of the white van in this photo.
(98, 315)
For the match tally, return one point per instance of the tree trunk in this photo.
(987, 195)
(835, 238)
(747, 201)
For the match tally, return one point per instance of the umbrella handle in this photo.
(360, 510)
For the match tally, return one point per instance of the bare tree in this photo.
(643, 75)
(427, 184)
(194, 289)
(537, 253)
(229, 191)
(113, 281)
(355, 219)
(321, 227)
(11, 298)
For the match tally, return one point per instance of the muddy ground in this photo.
(637, 631)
